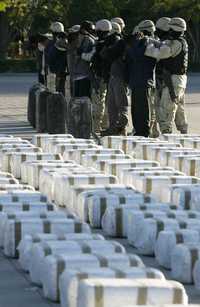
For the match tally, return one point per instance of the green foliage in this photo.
(18, 66)
(33, 16)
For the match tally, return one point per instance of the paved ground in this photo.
(15, 287)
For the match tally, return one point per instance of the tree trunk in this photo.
(4, 35)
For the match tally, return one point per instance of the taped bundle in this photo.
(70, 279)
(128, 291)
(28, 242)
(167, 241)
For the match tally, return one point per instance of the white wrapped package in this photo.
(183, 260)
(65, 148)
(186, 196)
(33, 170)
(172, 137)
(79, 180)
(121, 292)
(196, 274)
(167, 155)
(167, 241)
(191, 166)
(68, 181)
(11, 207)
(80, 196)
(48, 144)
(26, 171)
(90, 159)
(151, 152)
(193, 142)
(6, 154)
(144, 233)
(26, 196)
(178, 161)
(159, 186)
(99, 151)
(16, 229)
(28, 242)
(52, 143)
(6, 175)
(132, 217)
(15, 187)
(18, 158)
(40, 250)
(129, 172)
(69, 280)
(49, 180)
(97, 204)
(4, 181)
(4, 217)
(54, 266)
(119, 142)
(115, 167)
(136, 178)
(40, 139)
(156, 151)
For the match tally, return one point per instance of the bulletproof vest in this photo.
(178, 65)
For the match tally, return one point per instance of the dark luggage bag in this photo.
(56, 113)
(80, 117)
(41, 110)
(31, 112)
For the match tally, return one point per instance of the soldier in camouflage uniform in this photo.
(174, 64)
(103, 29)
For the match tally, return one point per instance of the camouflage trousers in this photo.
(169, 112)
(154, 129)
(100, 113)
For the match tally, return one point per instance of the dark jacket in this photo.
(141, 69)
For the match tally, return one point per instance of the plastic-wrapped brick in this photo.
(80, 196)
(21, 196)
(126, 173)
(30, 167)
(70, 279)
(114, 167)
(121, 292)
(144, 233)
(76, 180)
(167, 155)
(40, 250)
(90, 160)
(28, 242)
(54, 266)
(136, 178)
(167, 241)
(98, 203)
(186, 196)
(6, 155)
(191, 166)
(183, 259)
(159, 186)
(18, 158)
(45, 214)
(16, 229)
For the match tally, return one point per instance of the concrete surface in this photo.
(16, 289)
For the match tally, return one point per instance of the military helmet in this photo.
(120, 22)
(57, 27)
(116, 28)
(146, 25)
(163, 24)
(103, 25)
(178, 24)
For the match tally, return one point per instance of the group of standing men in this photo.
(103, 63)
